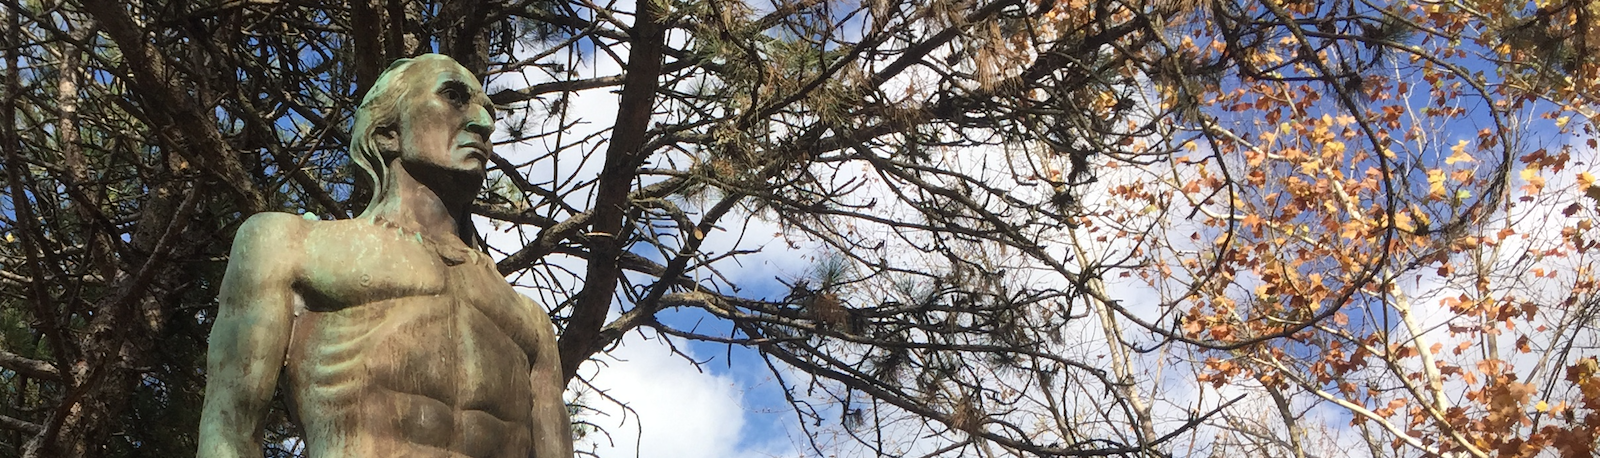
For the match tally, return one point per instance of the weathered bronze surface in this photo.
(394, 335)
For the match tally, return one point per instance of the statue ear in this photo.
(387, 139)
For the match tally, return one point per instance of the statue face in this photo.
(446, 120)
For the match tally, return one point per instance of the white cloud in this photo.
(674, 409)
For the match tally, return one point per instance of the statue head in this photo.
(426, 109)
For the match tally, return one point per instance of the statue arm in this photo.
(552, 427)
(250, 336)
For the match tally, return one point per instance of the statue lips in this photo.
(477, 150)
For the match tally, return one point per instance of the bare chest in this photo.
(387, 314)
(378, 272)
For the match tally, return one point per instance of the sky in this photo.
(730, 404)
(675, 410)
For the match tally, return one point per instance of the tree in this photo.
(986, 179)
(1393, 240)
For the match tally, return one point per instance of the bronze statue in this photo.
(394, 334)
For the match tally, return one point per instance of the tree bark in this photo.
(623, 155)
(193, 133)
(464, 36)
(369, 26)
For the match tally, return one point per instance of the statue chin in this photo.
(448, 179)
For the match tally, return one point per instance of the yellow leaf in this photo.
(1333, 147)
(1585, 180)
(1541, 406)
(1403, 222)
(1458, 153)
(1417, 214)
(1562, 121)
(1311, 167)
(1531, 175)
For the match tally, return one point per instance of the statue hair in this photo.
(379, 109)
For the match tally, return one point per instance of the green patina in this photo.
(394, 334)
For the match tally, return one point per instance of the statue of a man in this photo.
(394, 335)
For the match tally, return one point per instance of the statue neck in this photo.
(433, 203)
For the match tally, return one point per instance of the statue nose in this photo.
(481, 122)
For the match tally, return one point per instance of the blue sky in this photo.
(730, 405)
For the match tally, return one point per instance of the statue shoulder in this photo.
(266, 252)
(535, 308)
(271, 229)
(269, 238)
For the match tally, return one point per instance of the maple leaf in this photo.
(1436, 183)
(1535, 181)
(1333, 147)
(1251, 221)
(1458, 153)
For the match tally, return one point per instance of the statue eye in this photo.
(455, 92)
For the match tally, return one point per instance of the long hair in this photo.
(380, 108)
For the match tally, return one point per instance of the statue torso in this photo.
(407, 348)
